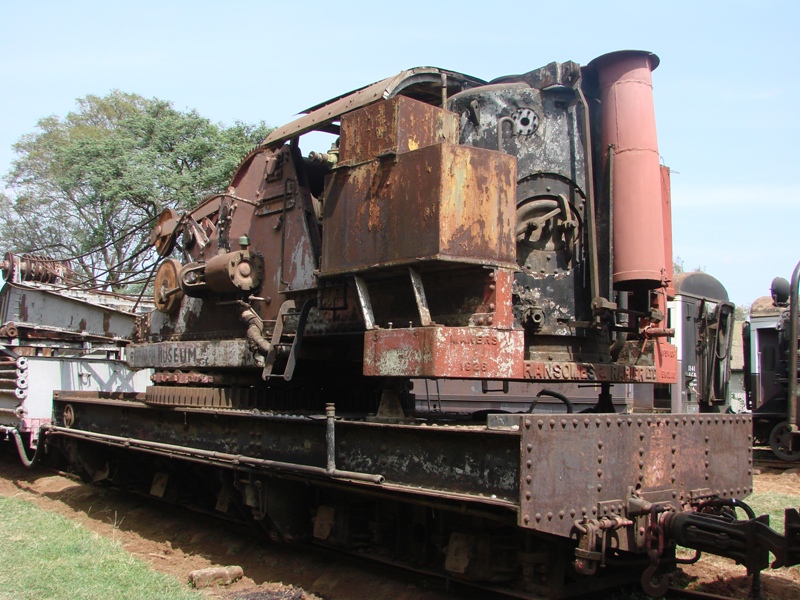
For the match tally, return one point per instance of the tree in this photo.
(679, 267)
(87, 187)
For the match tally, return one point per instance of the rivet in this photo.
(540, 423)
(527, 519)
(561, 514)
(563, 423)
(538, 517)
(527, 423)
(530, 464)
(549, 516)
(599, 487)
(528, 479)
(527, 495)
(599, 472)
(529, 447)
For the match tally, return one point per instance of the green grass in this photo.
(772, 504)
(44, 556)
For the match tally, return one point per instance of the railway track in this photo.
(763, 458)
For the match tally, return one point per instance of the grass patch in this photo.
(772, 504)
(46, 556)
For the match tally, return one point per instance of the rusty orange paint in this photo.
(444, 203)
(458, 352)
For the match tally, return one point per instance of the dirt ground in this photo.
(175, 541)
(717, 575)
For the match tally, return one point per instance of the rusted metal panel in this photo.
(466, 462)
(662, 371)
(191, 354)
(396, 126)
(576, 466)
(443, 202)
(461, 352)
(503, 317)
(57, 313)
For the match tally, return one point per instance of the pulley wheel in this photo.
(780, 441)
(163, 235)
(167, 293)
(68, 416)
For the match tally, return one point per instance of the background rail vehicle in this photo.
(53, 337)
(499, 232)
(771, 368)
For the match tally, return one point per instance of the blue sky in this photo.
(727, 93)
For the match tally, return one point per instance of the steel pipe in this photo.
(214, 456)
(628, 126)
(23, 454)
